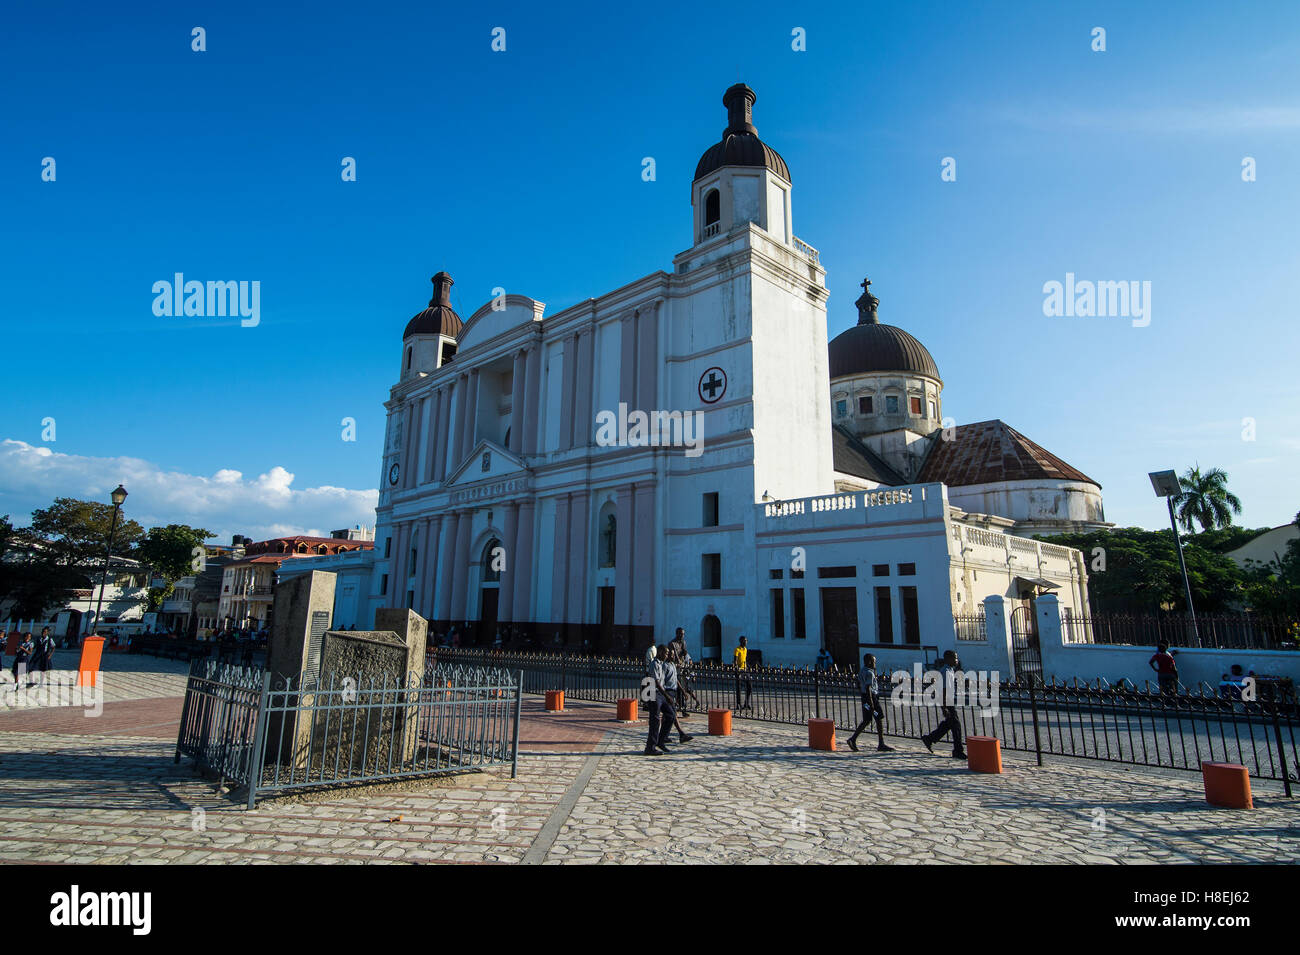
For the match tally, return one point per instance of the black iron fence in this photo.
(1229, 631)
(1122, 724)
(343, 730)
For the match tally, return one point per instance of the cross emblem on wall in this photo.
(713, 385)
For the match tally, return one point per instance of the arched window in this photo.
(609, 542)
(493, 559)
(410, 353)
(302, 548)
(712, 209)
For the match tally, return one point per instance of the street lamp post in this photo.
(1167, 486)
(119, 496)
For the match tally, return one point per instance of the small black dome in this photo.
(870, 347)
(740, 145)
(439, 318)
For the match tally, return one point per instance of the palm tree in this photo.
(1205, 499)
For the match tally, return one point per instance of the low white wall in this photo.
(1088, 661)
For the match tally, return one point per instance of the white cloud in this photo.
(226, 503)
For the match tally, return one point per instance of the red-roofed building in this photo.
(248, 584)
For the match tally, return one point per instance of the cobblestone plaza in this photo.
(76, 789)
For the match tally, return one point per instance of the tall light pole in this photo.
(119, 496)
(1167, 486)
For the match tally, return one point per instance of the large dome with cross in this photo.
(870, 347)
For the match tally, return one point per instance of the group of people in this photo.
(32, 658)
(666, 689)
(665, 682)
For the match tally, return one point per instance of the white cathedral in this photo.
(827, 504)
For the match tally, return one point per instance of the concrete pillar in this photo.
(443, 444)
(471, 419)
(643, 563)
(446, 566)
(647, 358)
(559, 577)
(585, 390)
(623, 556)
(397, 567)
(460, 571)
(517, 401)
(435, 403)
(997, 626)
(566, 393)
(425, 546)
(458, 440)
(522, 565)
(578, 523)
(532, 399)
(1051, 642)
(506, 597)
(627, 361)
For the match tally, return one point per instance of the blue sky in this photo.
(522, 170)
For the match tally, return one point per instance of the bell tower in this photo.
(741, 179)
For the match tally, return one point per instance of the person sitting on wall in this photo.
(824, 659)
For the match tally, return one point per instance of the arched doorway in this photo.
(710, 638)
(489, 592)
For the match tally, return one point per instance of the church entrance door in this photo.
(487, 617)
(605, 640)
(711, 638)
(840, 624)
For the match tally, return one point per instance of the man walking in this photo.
(1166, 669)
(871, 707)
(681, 657)
(669, 714)
(44, 656)
(950, 723)
(741, 660)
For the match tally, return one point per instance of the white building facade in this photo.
(510, 504)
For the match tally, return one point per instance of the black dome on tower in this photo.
(740, 145)
(439, 318)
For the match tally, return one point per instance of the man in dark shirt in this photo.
(948, 709)
(871, 708)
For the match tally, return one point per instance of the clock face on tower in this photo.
(393, 472)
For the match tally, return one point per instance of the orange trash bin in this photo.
(983, 754)
(821, 734)
(88, 669)
(554, 700)
(719, 722)
(1227, 785)
(627, 710)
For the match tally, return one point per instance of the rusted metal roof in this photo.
(991, 451)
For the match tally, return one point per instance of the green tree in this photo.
(31, 580)
(171, 552)
(1141, 572)
(1205, 499)
(75, 533)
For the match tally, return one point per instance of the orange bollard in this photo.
(1227, 785)
(719, 722)
(983, 754)
(627, 710)
(88, 668)
(821, 734)
(554, 700)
